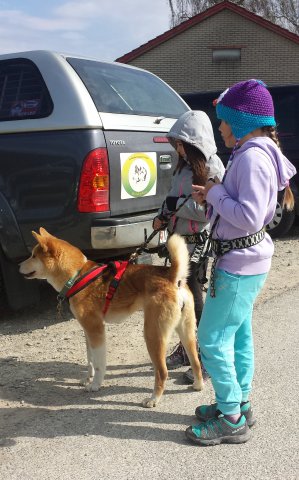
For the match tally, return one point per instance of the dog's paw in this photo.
(198, 385)
(92, 387)
(85, 381)
(149, 402)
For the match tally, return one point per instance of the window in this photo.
(226, 55)
(286, 99)
(23, 93)
(119, 89)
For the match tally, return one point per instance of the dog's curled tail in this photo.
(179, 257)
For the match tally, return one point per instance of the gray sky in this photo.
(104, 29)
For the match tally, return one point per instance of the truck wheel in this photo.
(15, 291)
(282, 221)
(3, 299)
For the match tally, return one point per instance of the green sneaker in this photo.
(219, 430)
(206, 412)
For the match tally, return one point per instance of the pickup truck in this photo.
(83, 153)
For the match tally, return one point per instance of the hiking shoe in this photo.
(206, 412)
(178, 358)
(219, 430)
(189, 378)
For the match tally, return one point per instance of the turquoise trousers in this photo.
(225, 337)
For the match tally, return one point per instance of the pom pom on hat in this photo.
(246, 106)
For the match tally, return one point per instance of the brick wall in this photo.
(185, 61)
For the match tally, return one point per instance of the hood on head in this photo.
(285, 170)
(194, 127)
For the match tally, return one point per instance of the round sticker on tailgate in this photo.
(138, 174)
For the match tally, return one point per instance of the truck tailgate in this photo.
(141, 165)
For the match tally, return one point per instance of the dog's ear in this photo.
(43, 232)
(41, 241)
(35, 235)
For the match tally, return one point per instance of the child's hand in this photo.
(160, 222)
(198, 194)
(211, 183)
(157, 223)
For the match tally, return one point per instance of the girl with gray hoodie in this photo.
(192, 137)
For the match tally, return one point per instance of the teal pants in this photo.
(225, 337)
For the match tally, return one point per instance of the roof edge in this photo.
(225, 5)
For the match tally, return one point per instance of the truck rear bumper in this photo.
(123, 233)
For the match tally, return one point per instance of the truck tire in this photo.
(282, 221)
(15, 291)
(3, 299)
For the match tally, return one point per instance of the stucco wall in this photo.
(185, 61)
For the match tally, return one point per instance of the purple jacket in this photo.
(246, 202)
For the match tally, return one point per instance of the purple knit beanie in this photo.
(246, 106)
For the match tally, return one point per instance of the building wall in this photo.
(185, 61)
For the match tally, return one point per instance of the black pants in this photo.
(196, 290)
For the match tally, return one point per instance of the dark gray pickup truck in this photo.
(83, 153)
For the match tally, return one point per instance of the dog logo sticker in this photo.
(138, 174)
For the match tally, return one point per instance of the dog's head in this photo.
(49, 257)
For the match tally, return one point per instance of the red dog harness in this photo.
(121, 268)
(75, 284)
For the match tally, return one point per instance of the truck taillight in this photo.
(93, 195)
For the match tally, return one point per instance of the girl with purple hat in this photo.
(240, 207)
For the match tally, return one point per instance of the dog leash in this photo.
(143, 246)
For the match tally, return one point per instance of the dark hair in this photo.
(288, 201)
(197, 162)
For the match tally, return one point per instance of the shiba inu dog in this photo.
(160, 291)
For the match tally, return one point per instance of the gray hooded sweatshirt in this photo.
(195, 128)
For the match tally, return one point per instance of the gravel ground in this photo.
(42, 358)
